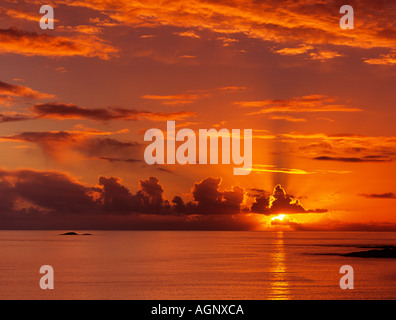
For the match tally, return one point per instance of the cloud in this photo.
(261, 204)
(263, 168)
(62, 111)
(56, 144)
(271, 168)
(309, 52)
(311, 103)
(288, 118)
(13, 92)
(363, 159)
(208, 199)
(50, 199)
(13, 117)
(56, 193)
(38, 199)
(351, 148)
(192, 96)
(180, 99)
(116, 198)
(227, 41)
(232, 89)
(389, 195)
(188, 34)
(279, 202)
(17, 41)
(324, 55)
(21, 14)
(84, 29)
(278, 22)
(384, 59)
(295, 28)
(48, 191)
(302, 48)
(111, 159)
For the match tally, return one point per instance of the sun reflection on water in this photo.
(279, 285)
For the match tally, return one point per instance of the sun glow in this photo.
(279, 217)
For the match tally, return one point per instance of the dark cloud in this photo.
(311, 103)
(53, 191)
(61, 111)
(283, 203)
(208, 199)
(91, 143)
(151, 194)
(261, 204)
(10, 91)
(114, 197)
(13, 118)
(49, 191)
(355, 159)
(71, 111)
(110, 159)
(102, 147)
(39, 200)
(178, 205)
(279, 202)
(389, 195)
(56, 193)
(253, 192)
(35, 199)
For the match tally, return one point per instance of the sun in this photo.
(279, 217)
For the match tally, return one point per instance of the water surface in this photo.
(193, 265)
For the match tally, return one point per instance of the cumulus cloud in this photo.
(43, 191)
(279, 202)
(208, 199)
(36, 199)
(57, 193)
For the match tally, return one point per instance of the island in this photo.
(75, 234)
(385, 252)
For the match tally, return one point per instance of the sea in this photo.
(194, 265)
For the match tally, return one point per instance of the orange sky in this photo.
(75, 103)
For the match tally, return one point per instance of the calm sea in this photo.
(193, 265)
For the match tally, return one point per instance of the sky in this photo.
(76, 101)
